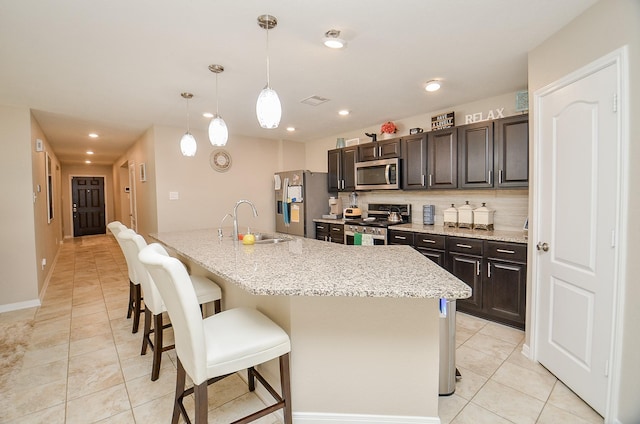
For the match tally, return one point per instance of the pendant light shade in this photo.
(218, 132)
(188, 145)
(268, 107)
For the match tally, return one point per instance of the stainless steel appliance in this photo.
(300, 197)
(383, 174)
(376, 223)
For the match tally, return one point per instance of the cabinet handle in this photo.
(489, 269)
(500, 177)
(320, 227)
(422, 180)
(399, 237)
(466, 246)
(428, 241)
(329, 239)
(343, 184)
(335, 229)
(379, 151)
(511, 252)
(477, 267)
(490, 177)
(430, 180)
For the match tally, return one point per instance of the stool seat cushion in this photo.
(240, 338)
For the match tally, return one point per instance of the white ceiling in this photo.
(117, 67)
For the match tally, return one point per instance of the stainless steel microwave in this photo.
(383, 174)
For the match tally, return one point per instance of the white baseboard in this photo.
(20, 305)
(324, 418)
(525, 351)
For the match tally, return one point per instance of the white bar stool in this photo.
(213, 348)
(206, 291)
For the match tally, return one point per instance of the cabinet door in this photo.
(512, 151)
(367, 151)
(504, 292)
(389, 148)
(437, 256)
(414, 164)
(400, 237)
(336, 233)
(322, 231)
(349, 158)
(442, 151)
(475, 161)
(334, 166)
(468, 269)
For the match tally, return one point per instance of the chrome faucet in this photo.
(220, 235)
(235, 216)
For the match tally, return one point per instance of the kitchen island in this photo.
(363, 320)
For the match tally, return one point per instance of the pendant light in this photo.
(268, 107)
(188, 144)
(218, 132)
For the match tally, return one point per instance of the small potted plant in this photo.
(388, 128)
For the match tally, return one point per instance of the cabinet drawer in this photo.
(400, 237)
(507, 251)
(465, 245)
(337, 231)
(430, 241)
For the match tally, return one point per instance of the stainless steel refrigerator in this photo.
(301, 196)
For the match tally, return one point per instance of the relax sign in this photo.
(480, 116)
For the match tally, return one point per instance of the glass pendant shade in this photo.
(268, 108)
(188, 145)
(218, 132)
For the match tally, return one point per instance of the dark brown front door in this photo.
(88, 206)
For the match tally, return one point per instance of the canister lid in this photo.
(483, 208)
(466, 206)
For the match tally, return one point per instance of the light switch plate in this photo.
(174, 195)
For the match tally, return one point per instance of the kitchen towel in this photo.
(357, 239)
(367, 240)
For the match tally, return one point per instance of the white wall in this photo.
(609, 25)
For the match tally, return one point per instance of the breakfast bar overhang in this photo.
(363, 320)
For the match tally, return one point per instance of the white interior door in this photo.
(577, 204)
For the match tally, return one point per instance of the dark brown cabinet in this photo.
(381, 149)
(465, 261)
(341, 169)
(442, 159)
(432, 246)
(330, 232)
(400, 237)
(512, 151)
(475, 160)
(505, 282)
(414, 163)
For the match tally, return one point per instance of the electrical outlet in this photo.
(174, 195)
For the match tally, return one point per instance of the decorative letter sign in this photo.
(479, 117)
(440, 122)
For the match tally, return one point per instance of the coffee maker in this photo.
(335, 211)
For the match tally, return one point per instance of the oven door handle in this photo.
(387, 173)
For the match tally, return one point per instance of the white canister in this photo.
(465, 216)
(483, 218)
(451, 217)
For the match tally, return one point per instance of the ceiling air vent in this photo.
(314, 100)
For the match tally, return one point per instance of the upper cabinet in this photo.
(341, 169)
(475, 160)
(442, 159)
(381, 149)
(414, 164)
(512, 151)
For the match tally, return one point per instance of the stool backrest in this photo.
(176, 289)
(132, 243)
(116, 227)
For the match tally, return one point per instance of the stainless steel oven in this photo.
(375, 225)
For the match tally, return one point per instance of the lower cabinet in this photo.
(495, 271)
(330, 232)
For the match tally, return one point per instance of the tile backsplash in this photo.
(511, 206)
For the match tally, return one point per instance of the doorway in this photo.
(577, 211)
(88, 206)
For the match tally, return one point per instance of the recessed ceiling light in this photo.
(291, 129)
(332, 39)
(89, 152)
(87, 161)
(93, 135)
(208, 115)
(343, 112)
(432, 85)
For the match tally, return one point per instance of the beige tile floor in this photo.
(80, 363)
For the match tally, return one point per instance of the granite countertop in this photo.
(495, 235)
(309, 267)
